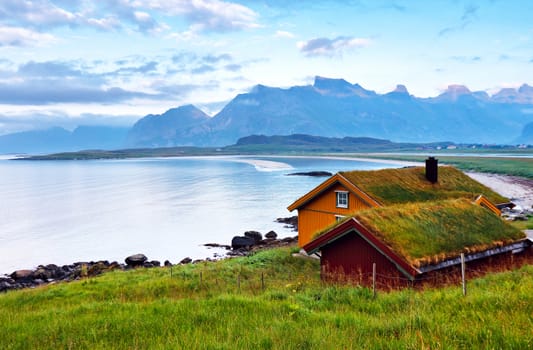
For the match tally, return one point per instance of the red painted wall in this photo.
(350, 259)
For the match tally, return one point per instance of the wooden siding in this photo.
(322, 210)
(350, 258)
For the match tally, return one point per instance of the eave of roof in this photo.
(324, 186)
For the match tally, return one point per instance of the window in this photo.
(342, 199)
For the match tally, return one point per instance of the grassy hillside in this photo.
(225, 305)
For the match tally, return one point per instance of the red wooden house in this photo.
(416, 242)
(413, 223)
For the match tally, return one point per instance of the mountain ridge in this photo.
(337, 108)
(328, 107)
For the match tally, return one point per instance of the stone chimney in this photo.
(432, 169)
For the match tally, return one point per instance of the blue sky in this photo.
(65, 62)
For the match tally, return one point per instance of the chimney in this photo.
(432, 169)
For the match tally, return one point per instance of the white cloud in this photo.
(14, 36)
(284, 34)
(331, 47)
(213, 15)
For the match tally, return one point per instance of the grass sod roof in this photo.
(394, 186)
(431, 232)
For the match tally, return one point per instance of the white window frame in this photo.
(343, 203)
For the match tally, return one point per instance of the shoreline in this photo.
(519, 190)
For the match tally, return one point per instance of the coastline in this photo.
(519, 190)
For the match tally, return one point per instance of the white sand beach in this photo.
(519, 190)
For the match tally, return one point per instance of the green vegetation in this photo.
(201, 306)
(430, 232)
(497, 165)
(392, 186)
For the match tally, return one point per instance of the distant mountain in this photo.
(331, 108)
(58, 139)
(167, 129)
(336, 108)
(524, 95)
(527, 135)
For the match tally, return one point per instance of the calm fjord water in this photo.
(66, 211)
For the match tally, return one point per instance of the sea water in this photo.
(166, 208)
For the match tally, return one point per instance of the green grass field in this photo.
(228, 305)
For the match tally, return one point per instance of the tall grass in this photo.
(149, 309)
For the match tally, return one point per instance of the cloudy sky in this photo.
(65, 62)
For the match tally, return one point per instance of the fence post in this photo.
(239, 281)
(374, 280)
(200, 277)
(463, 277)
(262, 281)
(171, 271)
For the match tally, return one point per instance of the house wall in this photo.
(320, 212)
(350, 259)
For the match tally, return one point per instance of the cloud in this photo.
(204, 68)
(50, 91)
(469, 12)
(50, 82)
(217, 58)
(149, 67)
(331, 47)
(181, 89)
(40, 120)
(48, 69)
(15, 36)
(468, 16)
(208, 15)
(233, 67)
(466, 59)
(284, 34)
(42, 16)
(45, 15)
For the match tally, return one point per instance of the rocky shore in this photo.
(246, 244)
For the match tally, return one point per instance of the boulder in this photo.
(114, 266)
(97, 268)
(22, 275)
(167, 263)
(186, 260)
(256, 236)
(43, 273)
(136, 260)
(271, 235)
(4, 285)
(239, 242)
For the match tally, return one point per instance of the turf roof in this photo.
(394, 186)
(430, 232)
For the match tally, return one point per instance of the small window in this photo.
(342, 199)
